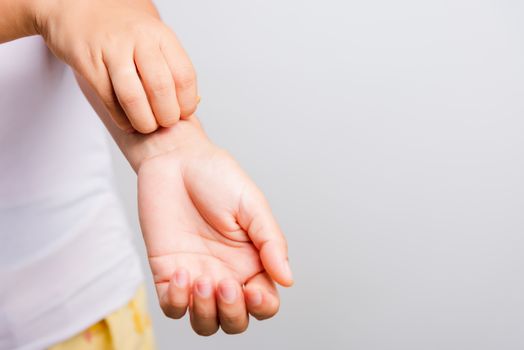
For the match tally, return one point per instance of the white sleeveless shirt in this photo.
(66, 255)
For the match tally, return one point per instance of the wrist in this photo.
(183, 136)
(26, 14)
(16, 19)
(138, 148)
(35, 13)
(38, 12)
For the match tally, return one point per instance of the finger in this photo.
(256, 218)
(231, 307)
(203, 311)
(158, 83)
(261, 296)
(97, 80)
(183, 74)
(130, 93)
(176, 298)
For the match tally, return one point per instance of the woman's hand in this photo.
(128, 56)
(213, 245)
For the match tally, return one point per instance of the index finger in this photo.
(183, 74)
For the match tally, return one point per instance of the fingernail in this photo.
(228, 292)
(204, 289)
(256, 298)
(181, 278)
(287, 269)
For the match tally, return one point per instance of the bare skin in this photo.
(128, 56)
(213, 245)
(202, 217)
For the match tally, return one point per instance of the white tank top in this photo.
(66, 255)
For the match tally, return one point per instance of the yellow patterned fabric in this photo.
(128, 328)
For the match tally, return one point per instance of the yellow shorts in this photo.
(128, 328)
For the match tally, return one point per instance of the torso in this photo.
(66, 257)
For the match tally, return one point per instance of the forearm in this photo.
(17, 19)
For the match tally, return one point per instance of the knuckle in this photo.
(130, 98)
(121, 76)
(185, 78)
(161, 87)
(145, 30)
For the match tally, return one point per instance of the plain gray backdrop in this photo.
(388, 137)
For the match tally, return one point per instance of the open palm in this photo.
(206, 224)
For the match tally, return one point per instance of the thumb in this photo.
(256, 219)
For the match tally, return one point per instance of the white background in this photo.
(388, 136)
